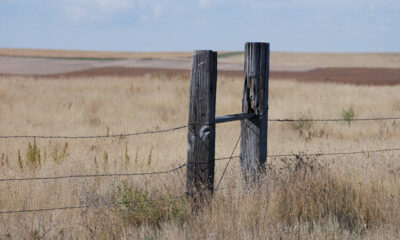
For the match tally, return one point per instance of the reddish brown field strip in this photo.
(356, 76)
(124, 72)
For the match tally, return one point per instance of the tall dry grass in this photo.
(326, 197)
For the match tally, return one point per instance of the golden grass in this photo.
(331, 197)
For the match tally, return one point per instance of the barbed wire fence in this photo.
(172, 170)
(177, 195)
(185, 126)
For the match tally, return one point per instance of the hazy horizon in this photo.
(230, 51)
(221, 25)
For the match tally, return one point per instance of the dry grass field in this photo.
(325, 197)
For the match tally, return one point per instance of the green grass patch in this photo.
(137, 205)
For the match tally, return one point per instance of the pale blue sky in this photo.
(185, 25)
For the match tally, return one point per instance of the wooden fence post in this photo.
(253, 152)
(201, 129)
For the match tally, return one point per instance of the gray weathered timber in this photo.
(253, 153)
(233, 117)
(201, 127)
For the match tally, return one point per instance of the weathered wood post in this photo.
(253, 152)
(201, 129)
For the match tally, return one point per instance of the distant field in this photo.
(280, 60)
(351, 68)
(356, 76)
(93, 55)
(325, 60)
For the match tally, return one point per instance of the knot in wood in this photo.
(204, 133)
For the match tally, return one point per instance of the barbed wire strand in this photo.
(334, 119)
(97, 136)
(320, 154)
(94, 175)
(336, 153)
(87, 206)
(94, 205)
(184, 165)
(175, 169)
(226, 158)
(233, 151)
(230, 159)
(185, 126)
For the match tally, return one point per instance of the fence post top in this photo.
(261, 43)
(197, 52)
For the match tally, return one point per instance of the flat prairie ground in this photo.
(81, 54)
(45, 62)
(353, 68)
(322, 197)
(296, 60)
